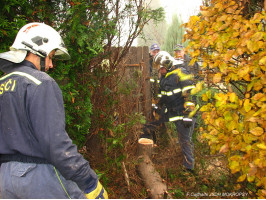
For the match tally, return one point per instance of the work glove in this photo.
(154, 106)
(189, 112)
(97, 191)
(155, 111)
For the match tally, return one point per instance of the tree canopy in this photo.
(174, 35)
(230, 40)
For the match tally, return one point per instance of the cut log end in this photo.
(145, 141)
(155, 185)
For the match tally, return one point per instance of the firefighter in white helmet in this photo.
(38, 159)
(175, 86)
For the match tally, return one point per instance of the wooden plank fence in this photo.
(137, 71)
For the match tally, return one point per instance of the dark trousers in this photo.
(184, 137)
(186, 143)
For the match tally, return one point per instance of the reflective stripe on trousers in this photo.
(35, 181)
(176, 118)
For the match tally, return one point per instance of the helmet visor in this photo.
(62, 53)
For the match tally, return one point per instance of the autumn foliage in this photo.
(231, 47)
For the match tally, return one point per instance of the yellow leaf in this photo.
(240, 126)
(204, 108)
(236, 25)
(235, 132)
(223, 67)
(222, 18)
(231, 125)
(249, 138)
(257, 17)
(248, 34)
(263, 79)
(204, 97)
(258, 162)
(261, 44)
(250, 86)
(235, 34)
(247, 105)
(263, 61)
(240, 50)
(241, 178)
(248, 148)
(252, 170)
(257, 131)
(252, 46)
(214, 132)
(251, 178)
(235, 157)
(234, 76)
(219, 45)
(233, 97)
(194, 19)
(209, 94)
(237, 187)
(219, 122)
(227, 56)
(257, 36)
(253, 119)
(218, 5)
(206, 13)
(198, 88)
(243, 71)
(258, 85)
(224, 148)
(261, 194)
(261, 146)
(228, 116)
(234, 166)
(204, 65)
(258, 96)
(246, 77)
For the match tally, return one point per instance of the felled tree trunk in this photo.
(151, 178)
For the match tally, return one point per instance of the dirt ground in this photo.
(211, 180)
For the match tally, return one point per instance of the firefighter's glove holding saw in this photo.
(96, 191)
(190, 111)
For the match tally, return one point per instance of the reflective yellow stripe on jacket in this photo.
(35, 80)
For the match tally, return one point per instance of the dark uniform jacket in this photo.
(172, 86)
(32, 123)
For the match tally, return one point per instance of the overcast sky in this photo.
(185, 8)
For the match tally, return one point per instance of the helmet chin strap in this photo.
(42, 58)
(42, 63)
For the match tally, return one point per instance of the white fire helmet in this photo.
(164, 59)
(39, 39)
